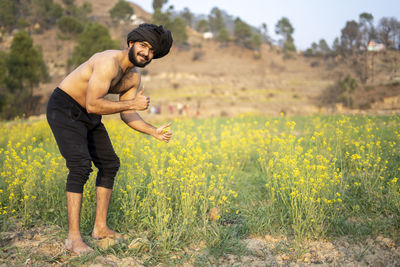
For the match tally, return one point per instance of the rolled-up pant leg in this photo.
(103, 156)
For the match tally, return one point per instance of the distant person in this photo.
(198, 108)
(158, 109)
(179, 107)
(171, 109)
(185, 110)
(74, 115)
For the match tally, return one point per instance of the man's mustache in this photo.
(144, 56)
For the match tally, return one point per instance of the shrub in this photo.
(121, 11)
(70, 25)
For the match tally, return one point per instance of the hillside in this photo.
(212, 80)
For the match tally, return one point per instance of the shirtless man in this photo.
(74, 115)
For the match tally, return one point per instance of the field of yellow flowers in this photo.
(307, 177)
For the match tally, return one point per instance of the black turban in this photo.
(160, 39)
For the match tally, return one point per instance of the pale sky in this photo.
(312, 19)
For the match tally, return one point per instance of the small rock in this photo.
(388, 242)
(378, 263)
(283, 257)
(112, 260)
(36, 237)
(307, 257)
(370, 241)
(231, 258)
(214, 214)
(136, 243)
(32, 234)
(139, 243)
(247, 259)
(105, 243)
(130, 262)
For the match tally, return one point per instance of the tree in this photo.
(22, 23)
(78, 12)
(162, 18)
(285, 29)
(336, 46)
(158, 4)
(314, 48)
(68, 2)
(223, 35)
(86, 8)
(3, 69)
(216, 21)
(323, 47)
(26, 69)
(94, 38)
(178, 30)
(288, 45)
(47, 12)
(121, 11)
(242, 30)
(264, 34)
(242, 33)
(350, 36)
(8, 14)
(3, 75)
(366, 28)
(202, 26)
(177, 26)
(256, 41)
(187, 16)
(389, 31)
(70, 25)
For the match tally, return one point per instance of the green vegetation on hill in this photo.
(22, 69)
(94, 38)
(121, 11)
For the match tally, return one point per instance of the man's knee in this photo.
(78, 175)
(107, 173)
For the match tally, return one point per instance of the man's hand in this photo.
(141, 102)
(163, 134)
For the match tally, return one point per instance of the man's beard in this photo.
(132, 59)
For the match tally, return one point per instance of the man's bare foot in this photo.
(99, 233)
(77, 246)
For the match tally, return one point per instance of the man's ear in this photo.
(131, 44)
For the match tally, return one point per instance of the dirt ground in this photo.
(44, 246)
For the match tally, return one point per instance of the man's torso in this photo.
(76, 83)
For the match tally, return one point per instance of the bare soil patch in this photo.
(44, 246)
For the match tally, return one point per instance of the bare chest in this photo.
(123, 82)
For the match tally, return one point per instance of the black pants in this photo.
(81, 138)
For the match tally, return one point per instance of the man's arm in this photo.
(133, 120)
(104, 70)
